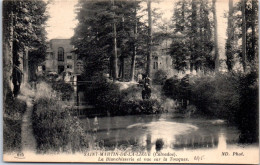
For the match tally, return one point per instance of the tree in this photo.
(114, 57)
(215, 35)
(246, 27)
(149, 54)
(192, 39)
(230, 38)
(243, 8)
(94, 34)
(134, 46)
(25, 29)
(7, 48)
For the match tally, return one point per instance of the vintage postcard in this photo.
(131, 81)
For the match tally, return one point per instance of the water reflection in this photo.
(154, 133)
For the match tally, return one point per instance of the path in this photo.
(28, 140)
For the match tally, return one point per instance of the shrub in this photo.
(171, 88)
(14, 109)
(232, 96)
(11, 135)
(109, 98)
(63, 89)
(160, 77)
(55, 129)
(211, 94)
(247, 116)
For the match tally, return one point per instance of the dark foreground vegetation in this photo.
(109, 99)
(54, 128)
(12, 121)
(232, 96)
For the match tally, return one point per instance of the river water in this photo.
(159, 132)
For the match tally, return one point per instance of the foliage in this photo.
(12, 135)
(12, 120)
(159, 77)
(55, 129)
(110, 99)
(234, 32)
(248, 115)
(29, 18)
(236, 101)
(177, 89)
(192, 43)
(94, 35)
(64, 89)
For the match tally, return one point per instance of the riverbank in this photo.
(229, 96)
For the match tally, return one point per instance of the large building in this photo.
(161, 60)
(61, 59)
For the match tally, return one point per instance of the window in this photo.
(60, 54)
(155, 65)
(69, 57)
(60, 69)
(69, 66)
(80, 66)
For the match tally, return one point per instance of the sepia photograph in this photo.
(130, 81)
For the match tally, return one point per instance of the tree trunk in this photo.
(120, 67)
(114, 57)
(123, 68)
(121, 73)
(215, 36)
(230, 35)
(132, 74)
(243, 3)
(148, 68)
(194, 34)
(253, 29)
(201, 36)
(133, 63)
(7, 49)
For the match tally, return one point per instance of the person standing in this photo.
(17, 80)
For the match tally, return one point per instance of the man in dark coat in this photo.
(146, 92)
(17, 80)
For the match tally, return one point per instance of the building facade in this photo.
(60, 59)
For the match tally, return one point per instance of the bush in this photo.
(178, 89)
(231, 96)
(109, 98)
(12, 135)
(55, 129)
(160, 77)
(64, 89)
(14, 109)
(247, 117)
(207, 93)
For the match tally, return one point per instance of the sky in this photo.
(62, 19)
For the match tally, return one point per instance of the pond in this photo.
(159, 132)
